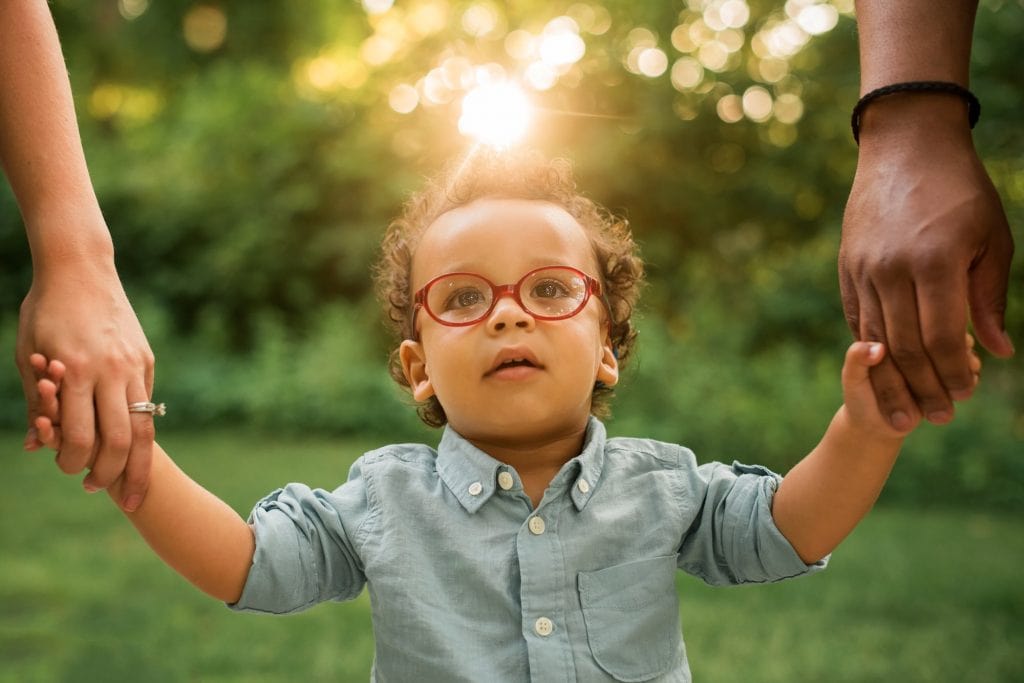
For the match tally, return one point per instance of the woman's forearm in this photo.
(40, 147)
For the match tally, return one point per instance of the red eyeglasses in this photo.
(548, 293)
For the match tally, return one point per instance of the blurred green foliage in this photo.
(247, 160)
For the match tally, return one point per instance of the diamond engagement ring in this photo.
(148, 407)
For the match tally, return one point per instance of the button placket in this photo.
(542, 577)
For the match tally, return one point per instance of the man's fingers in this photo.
(906, 348)
(136, 473)
(987, 287)
(115, 436)
(895, 402)
(848, 294)
(943, 325)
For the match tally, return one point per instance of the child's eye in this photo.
(464, 298)
(549, 289)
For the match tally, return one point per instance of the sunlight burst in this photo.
(495, 114)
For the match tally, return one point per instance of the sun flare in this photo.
(496, 114)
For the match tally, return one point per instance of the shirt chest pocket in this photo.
(632, 617)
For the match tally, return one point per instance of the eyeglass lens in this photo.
(546, 293)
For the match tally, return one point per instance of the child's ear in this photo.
(414, 367)
(608, 370)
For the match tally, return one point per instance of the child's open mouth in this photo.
(511, 364)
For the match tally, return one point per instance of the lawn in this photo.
(911, 596)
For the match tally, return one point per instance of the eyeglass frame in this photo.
(593, 288)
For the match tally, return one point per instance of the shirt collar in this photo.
(471, 475)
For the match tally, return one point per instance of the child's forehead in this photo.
(502, 236)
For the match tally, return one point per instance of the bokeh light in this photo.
(651, 62)
(687, 73)
(427, 18)
(132, 9)
(377, 6)
(403, 98)
(714, 45)
(560, 43)
(730, 108)
(205, 27)
(757, 103)
(480, 20)
(789, 108)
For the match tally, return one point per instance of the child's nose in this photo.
(508, 313)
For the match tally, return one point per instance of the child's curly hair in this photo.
(509, 175)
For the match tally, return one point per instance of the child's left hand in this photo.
(859, 398)
(47, 423)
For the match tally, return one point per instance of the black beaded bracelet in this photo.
(973, 106)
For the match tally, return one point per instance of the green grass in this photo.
(911, 596)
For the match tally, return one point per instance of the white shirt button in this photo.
(475, 488)
(583, 486)
(543, 627)
(505, 480)
(536, 525)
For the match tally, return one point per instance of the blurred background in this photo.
(248, 157)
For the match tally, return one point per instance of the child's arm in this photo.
(192, 530)
(827, 493)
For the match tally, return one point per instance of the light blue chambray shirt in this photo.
(468, 582)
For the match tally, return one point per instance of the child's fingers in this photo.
(48, 405)
(860, 357)
(38, 363)
(55, 371)
(49, 433)
(858, 394)
(974, 361)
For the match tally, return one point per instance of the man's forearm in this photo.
(914, 40)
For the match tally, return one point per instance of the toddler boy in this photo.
(528, 546)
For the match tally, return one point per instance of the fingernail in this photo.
(939, 417)
(31, 438)
(900, 420)
(131, 504)
(874, 349)
(1009, 342)
(961, 394)
(90, 488)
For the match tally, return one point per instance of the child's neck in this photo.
(537, 462)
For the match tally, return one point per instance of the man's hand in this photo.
(925, 240)
(81, 316)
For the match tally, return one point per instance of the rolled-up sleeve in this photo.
(733, 538)
(306, 547)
